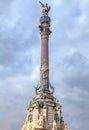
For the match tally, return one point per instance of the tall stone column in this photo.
(45, 32)
(44, 111)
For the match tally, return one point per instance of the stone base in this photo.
(44, 113)
(40, 129)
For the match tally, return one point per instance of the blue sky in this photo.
(20, 46)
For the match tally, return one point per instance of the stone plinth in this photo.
(44, 113)
(40, 129)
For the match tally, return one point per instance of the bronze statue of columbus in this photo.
(45, 7)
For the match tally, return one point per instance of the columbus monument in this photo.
(44, 111)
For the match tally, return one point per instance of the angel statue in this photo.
(36, 89)
(45, 7)
(52, 88)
